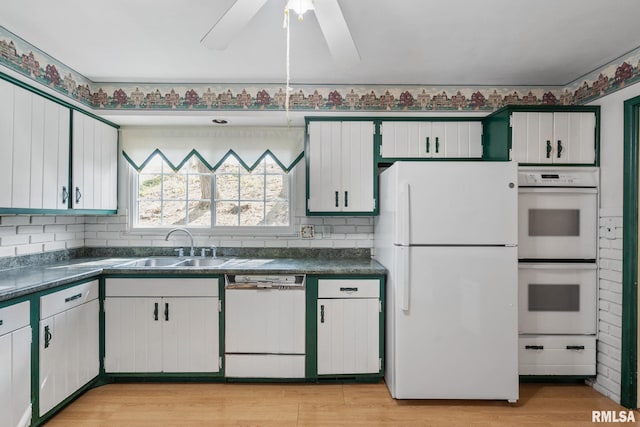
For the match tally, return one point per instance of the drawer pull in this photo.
(47, 336)
(73, 297)
(575, 347)
(322, 314)
(348, 289)
(534, 347)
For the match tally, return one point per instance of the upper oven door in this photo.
(557, 223)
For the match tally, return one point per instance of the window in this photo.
(195, 197)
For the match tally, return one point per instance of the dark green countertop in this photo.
(16, 282)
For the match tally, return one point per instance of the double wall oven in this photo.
(557, 280)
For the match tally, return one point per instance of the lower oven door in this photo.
(557, 298)
(557, 223)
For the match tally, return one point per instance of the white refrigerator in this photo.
(447, 234)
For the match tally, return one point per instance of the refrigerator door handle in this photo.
(404, 211)
(404, 278)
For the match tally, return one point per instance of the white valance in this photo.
(178, 143)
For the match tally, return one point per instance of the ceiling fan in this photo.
(328, 13)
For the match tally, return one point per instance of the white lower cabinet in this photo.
(15, 366)
(69, 342)
(161, 325)
(349, 326)
(557, 355)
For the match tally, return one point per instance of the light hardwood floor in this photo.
(282, 405)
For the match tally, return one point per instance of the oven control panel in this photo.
(583, 177)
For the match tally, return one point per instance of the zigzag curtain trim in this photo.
(177, 145)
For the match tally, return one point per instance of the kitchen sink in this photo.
(201, 262)
(152, 262)
(174, 262)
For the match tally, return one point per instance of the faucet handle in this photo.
(214, 250)
(179, 251)
(203, 252)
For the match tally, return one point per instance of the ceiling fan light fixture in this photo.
(300, 7)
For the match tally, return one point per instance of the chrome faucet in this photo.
(184, 230)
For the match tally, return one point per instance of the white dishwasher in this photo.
(265, 326)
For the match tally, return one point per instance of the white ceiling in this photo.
(428, 42)
(400, 42)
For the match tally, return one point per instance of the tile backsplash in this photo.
(26, 235)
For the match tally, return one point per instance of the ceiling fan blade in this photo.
(230, 24)
(336, 32)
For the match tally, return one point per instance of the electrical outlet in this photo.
(307, 232)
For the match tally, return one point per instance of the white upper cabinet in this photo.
(554, 137)
(340, 171)
(95, 159)
(429, 139)
(34, 150)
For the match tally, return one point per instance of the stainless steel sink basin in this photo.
(174, 262)
(153, 262)
(201, 262)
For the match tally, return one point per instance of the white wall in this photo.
(610, 262)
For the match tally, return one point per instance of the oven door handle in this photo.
(554, 190)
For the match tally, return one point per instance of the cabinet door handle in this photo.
(65, 195)
(73, 298)
(166, 311)
(78, 195)
(348, 289)
(437, 144)
(336, 199)
(346, 199)
(560, 148)
(575, 347)
(322, 314)
(155, 311)
(427, 145)
(47, 336)
(534, 347)
(549, 149)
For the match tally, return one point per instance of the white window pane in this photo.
(252, 187)
(149, 213)
(227, 213)
(251, 214)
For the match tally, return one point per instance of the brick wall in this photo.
(26, 235)
(610, 307)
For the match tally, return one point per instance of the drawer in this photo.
(197, 287)
(14, 317)
(74, 296)
(348, 288)
(557, 355)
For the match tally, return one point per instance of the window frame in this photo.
(213, 230)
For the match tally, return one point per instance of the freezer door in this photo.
(455, 328)
(454, 203)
